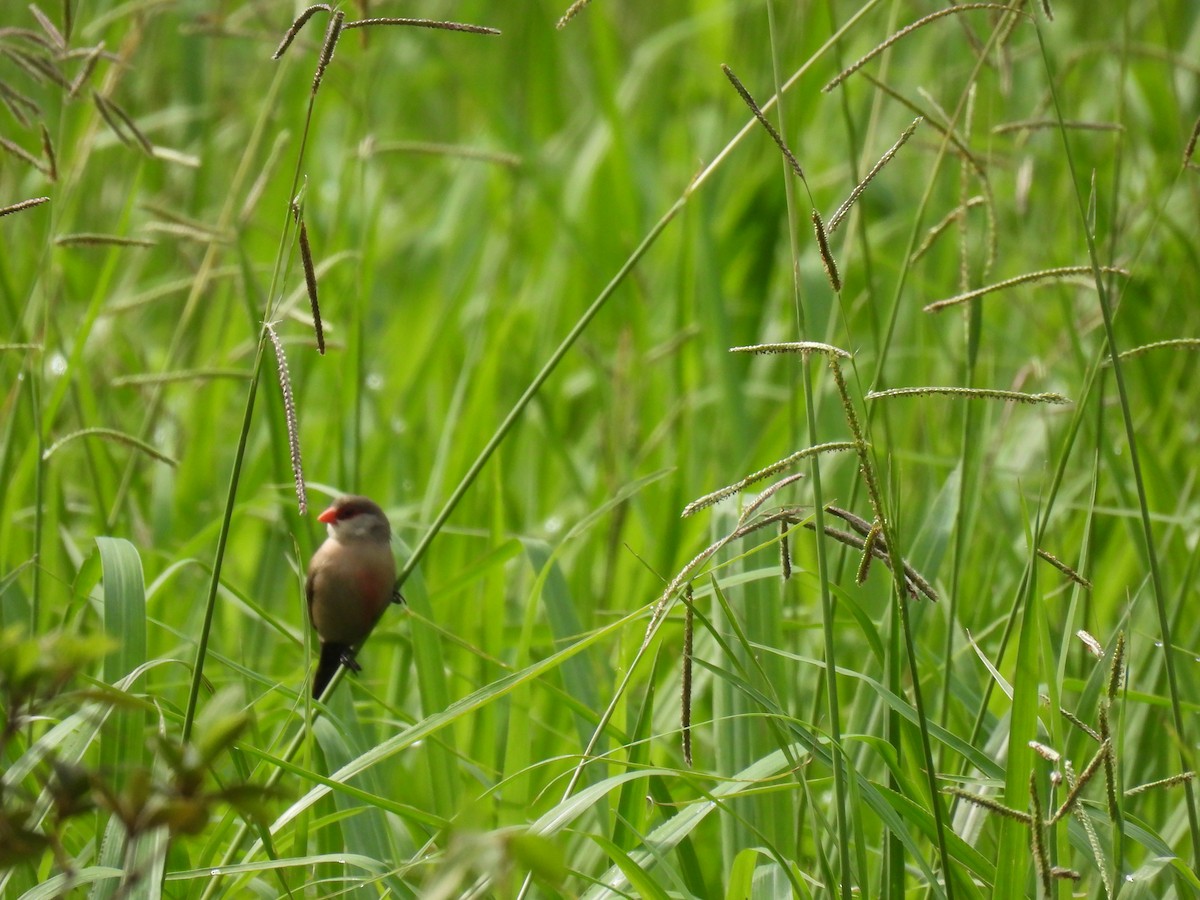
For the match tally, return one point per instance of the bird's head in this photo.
(354, 518)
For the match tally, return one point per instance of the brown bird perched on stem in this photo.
(351, 579)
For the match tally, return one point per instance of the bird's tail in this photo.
(332, 655)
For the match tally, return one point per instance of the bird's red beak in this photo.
(330, 515)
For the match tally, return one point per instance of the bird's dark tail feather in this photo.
(332, 655)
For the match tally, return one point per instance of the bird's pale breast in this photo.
(351, 586)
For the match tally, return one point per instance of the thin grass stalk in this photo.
(650, 238)
(210, 606)
(893, 866)
(1037, 837)
(947, 132)
(840, 794)
(887, 340)
(685, 724)
(955, 217)
(199, 286)
(248, 414)
(1028, 576)
(110, 434)
(964, 174)
(1039, 530)
(948, 138)
(1160, 597)
(968, 458)
(39, 493)
(900, 603)
(534, 387)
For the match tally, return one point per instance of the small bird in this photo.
(351, 579)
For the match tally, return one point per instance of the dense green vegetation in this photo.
(534, 251)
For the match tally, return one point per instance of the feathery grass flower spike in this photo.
(89, 66)
(22, 154)
(907, 30)
(1040, 275)
(831, 270)
(793, 347)
(423, 23)
(763, 120)
(24, 204)
(1037, 837)
(332, 32)
(1064, 568)
(310, 282)
(48, 152)
(95, 239)
(572, 11)
(773, 469)
(868, 553)
(840, 213)
(138, 135)
(1181, 343)
(1191, 145)
(300, 21)
(110, 118)
(970, 394)
(289, 410)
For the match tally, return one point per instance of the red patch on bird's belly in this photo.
(373, 589)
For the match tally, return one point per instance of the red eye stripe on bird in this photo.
(350, 582)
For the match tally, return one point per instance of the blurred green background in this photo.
(468, 198)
